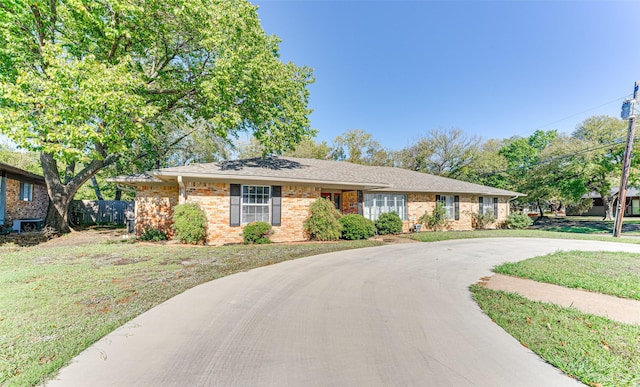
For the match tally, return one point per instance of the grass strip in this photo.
(55, 302)
(595, 350)
(449, 235)
(614, 273)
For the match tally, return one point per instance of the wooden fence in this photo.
(101, 211)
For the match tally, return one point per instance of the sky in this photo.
(398, 69)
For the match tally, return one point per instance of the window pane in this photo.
(376, 204)
(255, 203)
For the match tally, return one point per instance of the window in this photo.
(255, 203)
(26, 192)
(376, 204)
(451, 204)
(488, 205)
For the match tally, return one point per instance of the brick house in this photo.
(279, 190)
(23, 195)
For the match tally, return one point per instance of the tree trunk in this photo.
(60, 195)
(540, 209)
(608, 202)
(96, 188)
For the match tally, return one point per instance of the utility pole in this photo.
(622, 192)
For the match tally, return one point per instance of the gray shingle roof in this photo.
(327, 172)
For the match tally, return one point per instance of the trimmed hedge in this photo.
(389, 223)
(356, 227)
(256, 233)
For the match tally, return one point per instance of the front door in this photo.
(334, 197)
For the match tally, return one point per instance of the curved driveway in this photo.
(396, 315)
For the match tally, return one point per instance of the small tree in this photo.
(438, 220)
(257, 233)
(389, 223)
(190, 223)
(323, 222)
(356, 226)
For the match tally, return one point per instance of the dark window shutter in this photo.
(360, 201)
(234, 211)
(456, 207)
(480, 203)
(437, 198)
(495, 207)
(276, 205)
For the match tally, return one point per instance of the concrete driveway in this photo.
(396, 315)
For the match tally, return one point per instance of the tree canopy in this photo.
(86, 82)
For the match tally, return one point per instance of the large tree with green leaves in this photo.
(603, 139)
(85, 82)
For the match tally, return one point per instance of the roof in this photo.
(15, 173)
(328, 173)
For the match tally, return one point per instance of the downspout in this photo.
(509, 205)
(182, 198)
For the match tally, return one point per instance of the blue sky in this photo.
(398, 69)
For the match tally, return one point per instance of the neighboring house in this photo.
(279, 190)
(632, 205)
(23, 195)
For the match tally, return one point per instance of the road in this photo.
(396, 315)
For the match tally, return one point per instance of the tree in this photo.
(358, 147)
(309, 149)
(604, 137)
(441, 152)
(86, 83)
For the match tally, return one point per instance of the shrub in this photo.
(389, 223)
(481, 221)
(190, 223)
(357, 227)
(256, 233)
(519, 220)
(153, 235)
(322, 223)
(438, 220)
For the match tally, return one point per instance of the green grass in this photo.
(55, 302)
(613, 273)
(449, 235)
(595, 350)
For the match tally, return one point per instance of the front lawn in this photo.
(56, 301)
(595, 350)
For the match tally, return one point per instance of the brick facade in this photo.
(154, 206)
(419, 203)
(19, 209)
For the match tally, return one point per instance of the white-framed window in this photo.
(376, 204)
(255, 203)
(451, 205)
(26, 192)
(488, 205)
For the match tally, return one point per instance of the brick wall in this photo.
(19, 209)
(154, 208)
(418, 203)
(214, 199)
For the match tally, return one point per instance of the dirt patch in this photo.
(89, 236)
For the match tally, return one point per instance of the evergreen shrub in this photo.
(356, 227)
(389, 223)
(323, 222)
(256, 233)
(190, 223)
